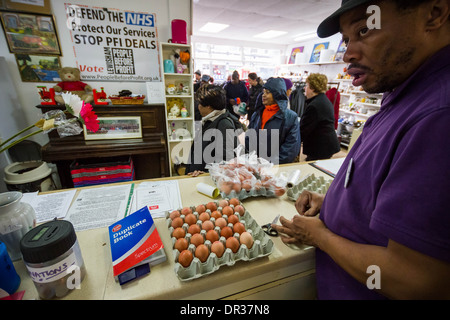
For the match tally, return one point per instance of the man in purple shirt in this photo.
(384, 224)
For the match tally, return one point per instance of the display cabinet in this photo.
(177, 71)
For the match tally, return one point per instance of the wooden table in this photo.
(287, 273)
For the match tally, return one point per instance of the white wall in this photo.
(165, 11)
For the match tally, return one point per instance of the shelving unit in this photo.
(179, 140)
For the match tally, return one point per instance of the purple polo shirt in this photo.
(400, 181)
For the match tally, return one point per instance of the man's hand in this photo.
(306, 230)
(309, 203)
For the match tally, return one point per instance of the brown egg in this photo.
(202, 252)
(279, 191)
(247, 239)
(235, 201)
(246, 185)
(174, 214)
(212, 236)
(181, 244)
(223, 203)
(178, 233)
(190, 219)
(239, 209)
(186, 211)
(233, 244)
(204, 216)
(233, 219)
(194, 228)
(216, 214)
(226, 187)
(238, 227)
(197, 239)
(237, 187)
(185, 258)
(211, 206)
(226, 232)
(177, 222)
(218, 248)
(221, 222)
(227, 210)
(200, 208)
(207, 225)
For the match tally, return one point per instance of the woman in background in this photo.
(317, 123)
(256, 89)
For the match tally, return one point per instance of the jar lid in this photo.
(47, 241)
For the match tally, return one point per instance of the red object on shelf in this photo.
(99, 96)
(49, 96)
(179, 34)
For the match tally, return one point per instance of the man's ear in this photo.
(438, 12)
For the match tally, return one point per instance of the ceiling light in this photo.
(269, 34)
(305, 36)
(213, 27)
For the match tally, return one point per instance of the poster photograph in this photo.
(114, 45)
(30, 33)
(315, 55)
(294, 53)
(38, 68)
(116, 128)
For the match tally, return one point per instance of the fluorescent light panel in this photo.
(213, 27)
(305, 36)
(269, 34)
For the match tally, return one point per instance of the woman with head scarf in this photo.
(274, 131)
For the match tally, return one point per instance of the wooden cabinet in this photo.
(149, 153)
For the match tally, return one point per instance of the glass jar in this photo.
(53, 258)
(16, 219)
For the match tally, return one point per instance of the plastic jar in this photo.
(53, 258)
(16, 219)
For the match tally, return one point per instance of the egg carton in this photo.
(311, 183)
(262, 246)
(253, 192)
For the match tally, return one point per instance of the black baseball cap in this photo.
(330, 25)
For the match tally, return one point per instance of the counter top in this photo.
(162, 282)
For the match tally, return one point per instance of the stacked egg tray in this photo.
(262, 244)
(253, 192)
(311, 183)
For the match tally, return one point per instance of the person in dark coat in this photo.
(272, 119)
(317, 123)
(235, 88)
(255, 90)
(221, 142)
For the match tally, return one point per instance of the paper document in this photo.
(50, 206)
(330, 167)
(99, 207)
(158, 196)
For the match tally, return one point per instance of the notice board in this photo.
(114, 45)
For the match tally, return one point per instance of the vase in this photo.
(16, 219)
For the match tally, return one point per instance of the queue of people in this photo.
(274, 131)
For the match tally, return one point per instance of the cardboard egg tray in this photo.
(262, 246)
(311, 183)
(253, 192)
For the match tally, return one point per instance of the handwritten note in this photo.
(155, 92)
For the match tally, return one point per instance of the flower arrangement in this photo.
(56, 119)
